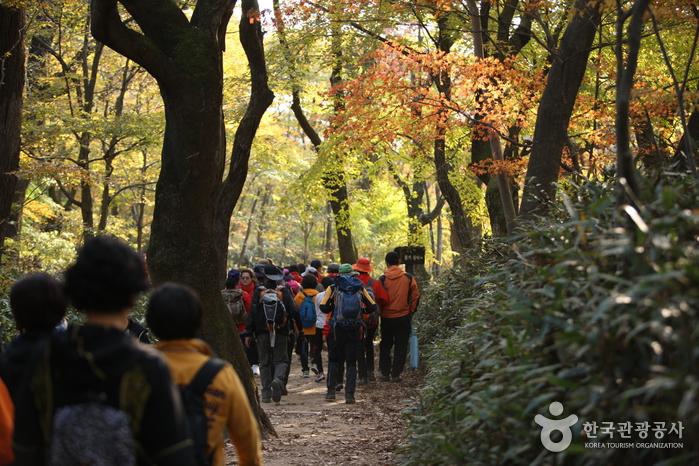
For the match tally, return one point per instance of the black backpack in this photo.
(193, 402)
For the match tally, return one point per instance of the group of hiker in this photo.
(299, 307)
(99, 393)
(94, 393)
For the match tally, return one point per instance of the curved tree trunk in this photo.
(185, 57)
(556, 107)
(12, 33)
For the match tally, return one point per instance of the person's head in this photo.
(309, 271)
(273, 273)
(302, 267)
(263, 262)
(316, 264)
(333, 267)
(174, 312)
(246, 277)
(232, 279)
(259, 271)
(326, 282)
(363, 265)
(37, 302)
(106, 277)
(293, 268)
(345, 270)
(309, 282)
(392, 258)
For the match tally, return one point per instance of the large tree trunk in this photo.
(185, 57)
(12, 33)
(556, 107)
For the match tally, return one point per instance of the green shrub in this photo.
(597, 311)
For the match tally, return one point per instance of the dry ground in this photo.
(313, 431)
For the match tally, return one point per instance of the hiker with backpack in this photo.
(396, 318)
(238, 302)
(272, 306)
(317, 342)
(212, 394)
(305, 301)
(347, 302)
(248, 283)
(365, 353)
(94, 395)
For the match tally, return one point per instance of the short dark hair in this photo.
(302, 267)
(293, 268)
(327, 281)
(392, 258)
(38, 302)
(231, 282)
(106, 277)
(174, 312)
(309, 281)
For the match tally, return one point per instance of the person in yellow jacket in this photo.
(174, 315)
(308, 288)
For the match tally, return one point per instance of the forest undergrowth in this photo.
(596, 308)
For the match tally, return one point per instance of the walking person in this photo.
(321, 320)
(347, 301)
(365, 354)
(396, 318)
(247, 283)
(306, 303)
(174, 315)
(272, 306)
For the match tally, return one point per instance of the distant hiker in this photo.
(248, 284)
(305, 301)
(347, 301)
(294, 272)
(38, 305)
(318, 266)
(333, 270)
(272, 305)
(365, 355)
(317, 342)
(96, 375)
(293, 285)
(300, 269)
(175, 314)
(396, 315)
(238, 302)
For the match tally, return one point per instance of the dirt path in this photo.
(315, 431)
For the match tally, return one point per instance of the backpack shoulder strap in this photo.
(205, 375)
(382, 279)
(410, 284)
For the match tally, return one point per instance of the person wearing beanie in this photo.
(396, 318)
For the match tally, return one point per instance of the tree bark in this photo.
(556, 106)
(185, 57)
(12, 34)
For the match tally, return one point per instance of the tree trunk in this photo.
(556, 106)
(12, 33)
(185, 56)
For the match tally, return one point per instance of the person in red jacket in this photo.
(365, 354)
(247, 283)
(396, 317)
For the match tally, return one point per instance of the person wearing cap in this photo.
(271, 345)
(365, 353)
(343, 340)
(396, 318)
(291, 283)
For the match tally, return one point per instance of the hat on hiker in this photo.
(287, 275)
(346, 270)
(263, 261)
(309, 270)
(272, 272)
(234, 273)
(363, 265)
(259, 271)
(333, 267)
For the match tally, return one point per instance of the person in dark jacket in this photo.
(38, 305)
(99, 361)
(272, 340)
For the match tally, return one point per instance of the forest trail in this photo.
(313, 431)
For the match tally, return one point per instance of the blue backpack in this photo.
(307, 310)
(348, 302)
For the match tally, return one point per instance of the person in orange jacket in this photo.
(174, 315)
(7, 421)
(396, 318)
